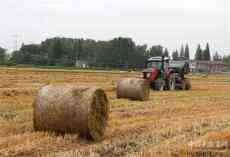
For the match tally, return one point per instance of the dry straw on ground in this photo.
(213, 144)
(133, 88)
(72, 109)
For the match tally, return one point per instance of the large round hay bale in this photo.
(133, 88)
(72, 109)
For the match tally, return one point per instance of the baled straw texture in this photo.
(133, 88)
(72, 109)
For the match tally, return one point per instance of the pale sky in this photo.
(166, 22)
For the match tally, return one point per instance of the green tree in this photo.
(138, 57)
(118, 52)
(182, 53)
(166, 52)
(175, 55)
(206, 53)
(79, 48)
(186, 53)
(217, 57)
(32, 54)
(155, 51)
(2, 55)
(198, 55)
(226, 59)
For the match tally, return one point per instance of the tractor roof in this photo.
(158, 58)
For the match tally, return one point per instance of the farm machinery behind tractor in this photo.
(165, 74)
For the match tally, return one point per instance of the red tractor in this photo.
(166, 74)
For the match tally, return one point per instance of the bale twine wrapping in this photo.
(72, 109)
(133, 88)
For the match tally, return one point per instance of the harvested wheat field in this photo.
(178, 124)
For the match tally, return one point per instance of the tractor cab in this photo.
(155, 65)
(161, 63)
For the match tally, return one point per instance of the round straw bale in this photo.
(133, 88)
(72, 109)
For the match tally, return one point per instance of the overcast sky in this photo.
(166, 22)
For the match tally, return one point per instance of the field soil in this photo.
(171, 123)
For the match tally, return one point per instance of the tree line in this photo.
(184, 52)
(116, 53)
(203, 55)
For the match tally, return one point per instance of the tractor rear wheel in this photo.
(172, 82)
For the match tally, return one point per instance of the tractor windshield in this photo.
(154, 65)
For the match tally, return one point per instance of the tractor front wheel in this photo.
(172, 82)
(158, 85)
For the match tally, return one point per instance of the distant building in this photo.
(209, 66)
(82, 64)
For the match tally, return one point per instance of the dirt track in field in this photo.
(162, 125)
